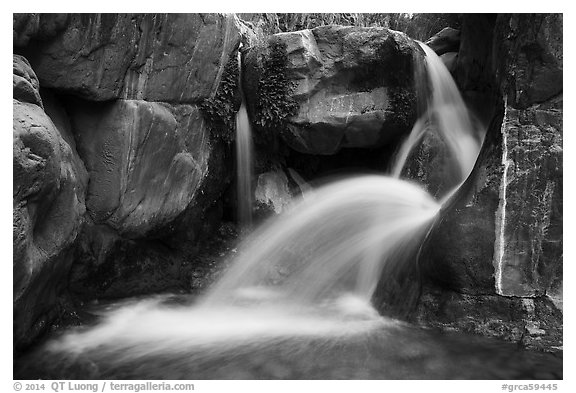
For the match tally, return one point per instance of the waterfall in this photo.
(448, 116)
(311, 271)
(244, 159)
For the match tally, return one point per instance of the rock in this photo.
(446, 40)
(28, 27)
(273, 191)
(530, 57)
(146, 162)
(24, 27)
(506, 318)
(26, 87)
(450, 59)
(154, 57)
(528, 255)
(48, 208)
(353, 87)
(528, 250)
(500, 236)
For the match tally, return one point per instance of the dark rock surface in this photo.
(501, 235)
(529, 220)
(446, 40)
(48, 208)
(153, 57)
(26, 87)
(353, 87)
(122, 167)
(146, 161)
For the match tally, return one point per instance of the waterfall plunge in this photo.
(309, 272)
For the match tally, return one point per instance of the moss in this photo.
(403, 107)
(274, 102)
(220, 111)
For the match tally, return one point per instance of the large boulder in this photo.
(145, 99)
(48, 207)
(146, 161)
(153, 57)
(351, 87)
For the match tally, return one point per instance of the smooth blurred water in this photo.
(306, 276)
(446, 115)
(244, 167)
(334, 242)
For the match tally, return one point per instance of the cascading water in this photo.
(244, 165)
(448, 117)
(309, 273)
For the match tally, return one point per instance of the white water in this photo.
(448, 116)
(244, 159)
(244, 167)
(336, 241)
(309, 272)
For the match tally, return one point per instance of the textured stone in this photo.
(446, 40)
(528, 250)
(146, 161)
(154, 57)
(26, 87)
(48, 208)
(353, 87)
(530, 53)
(24, 27)
(273, 190)
(28, 27)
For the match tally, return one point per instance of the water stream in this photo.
(306, 276)
(244, 160)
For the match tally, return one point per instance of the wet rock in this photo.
(146, 162)
(528, 253)
(353, 87)
(501, 234)
(530, 323)
(154, 57)
(530, 54)
(48, 208)
(446, 40)
(27, 27)
(273, 191)
(26, 87)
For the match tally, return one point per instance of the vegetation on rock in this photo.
(220, 111)
(274, 102)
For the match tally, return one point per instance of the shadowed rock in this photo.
(48, 208)
(446, 40)
(154, 57)
(146, 162)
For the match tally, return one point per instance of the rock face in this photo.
(501, 236)
(528, 255)
(146, 161)
(273, 191)
(153, 57)
(117, 173)
(446, 40)
(48, 206)
(353, 87)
